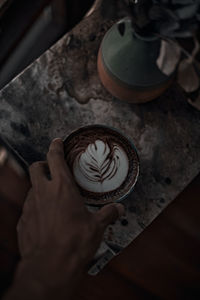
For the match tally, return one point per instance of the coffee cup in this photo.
(104, 163)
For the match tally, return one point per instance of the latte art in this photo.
(97, 164)
(103, 162)
(102, 167)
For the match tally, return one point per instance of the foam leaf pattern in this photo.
(99, 162)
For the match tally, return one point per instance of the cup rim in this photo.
(129, 191)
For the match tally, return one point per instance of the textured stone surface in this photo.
(61, 92)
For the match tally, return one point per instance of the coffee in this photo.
(103, 162)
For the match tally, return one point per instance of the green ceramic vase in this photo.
(134, 68)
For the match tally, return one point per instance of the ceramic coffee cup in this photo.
(104, 163)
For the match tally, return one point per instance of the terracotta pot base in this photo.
(124, 92)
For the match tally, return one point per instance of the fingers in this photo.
(27, 230)
(28, 211)
(56, 160)
(109, 214)
(38, 172)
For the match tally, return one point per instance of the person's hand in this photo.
(57, 235)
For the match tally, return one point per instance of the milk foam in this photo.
(101, 169)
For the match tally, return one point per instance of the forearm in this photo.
(40, 278)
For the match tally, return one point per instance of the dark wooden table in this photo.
(170, 269)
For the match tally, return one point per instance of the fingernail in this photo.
(57, 140)
(121, 209)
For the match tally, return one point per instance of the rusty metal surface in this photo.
(61, 91)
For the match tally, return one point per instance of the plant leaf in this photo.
(187, 76)
(168, 58)
(196, 103)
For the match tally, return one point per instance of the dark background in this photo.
(28, 28)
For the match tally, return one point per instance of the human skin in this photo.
(57, 235)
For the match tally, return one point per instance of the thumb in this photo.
(109, 214)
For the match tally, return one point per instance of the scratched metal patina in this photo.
(61, 91)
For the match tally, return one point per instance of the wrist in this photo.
(47, 276)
